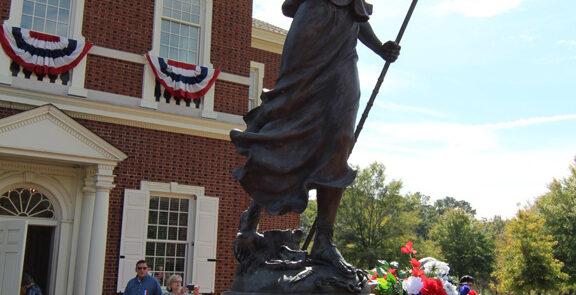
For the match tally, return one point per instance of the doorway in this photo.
(38, 254)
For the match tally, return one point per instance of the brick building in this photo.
(98, 169)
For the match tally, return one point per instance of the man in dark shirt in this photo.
(143, 283)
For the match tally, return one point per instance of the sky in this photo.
(480, 106)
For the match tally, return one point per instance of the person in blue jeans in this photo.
(143, 283)
(28, 286)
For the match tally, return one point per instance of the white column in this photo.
(84, 234)
(97, 256)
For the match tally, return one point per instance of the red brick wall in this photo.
(114, 76)
(272, 65)
(231, 35)
(4, 9)
(231, 98)
(170, 157)
(123, 25)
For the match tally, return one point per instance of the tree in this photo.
(465, 245)
(525, 262)
(558, 208)
(449, 203)
(308, 216)
(374, 219)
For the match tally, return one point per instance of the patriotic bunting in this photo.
(181, 80)
(41, 53)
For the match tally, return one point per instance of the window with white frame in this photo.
(47, 16)
(180, 30)
(256, 84)
(174, 228)
(168, 237)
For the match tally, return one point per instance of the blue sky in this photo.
(481, 105)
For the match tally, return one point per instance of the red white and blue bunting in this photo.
(41, 53)
(182, 80)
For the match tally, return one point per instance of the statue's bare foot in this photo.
(327, 253)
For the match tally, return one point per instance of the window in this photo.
(47, 16)
(256, 84)
(168, 237)
(180, 30)
(25, 202)
(174, 228)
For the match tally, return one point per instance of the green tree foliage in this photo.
(558, 208)
(464, 243)
(525, 262)
(308, 216)
(449, 203)
(374, 219)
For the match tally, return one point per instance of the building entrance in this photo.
(38, 254)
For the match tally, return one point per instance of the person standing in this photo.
(28, 286)
(143, 283)
(174, 286)
(466, 285)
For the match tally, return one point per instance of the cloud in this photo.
(530, 121)
(407, 108)
(476, 8)
(567, 43)
(466, 161)
(493, 182)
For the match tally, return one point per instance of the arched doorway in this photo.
(28, 211)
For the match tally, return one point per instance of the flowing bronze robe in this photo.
(301, 136)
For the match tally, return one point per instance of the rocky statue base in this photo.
(270, 264)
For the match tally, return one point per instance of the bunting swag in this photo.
(181, 80)
(41, 53)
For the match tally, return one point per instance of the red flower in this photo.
(415, 263)
(433, 287)
(416, 272)
(408, 248)
(472, 292)
(392, 271)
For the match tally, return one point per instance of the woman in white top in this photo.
(174, 286)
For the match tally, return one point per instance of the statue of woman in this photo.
(302, 134)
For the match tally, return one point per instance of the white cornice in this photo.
(267, 40)
(51, 169)
(123, 115)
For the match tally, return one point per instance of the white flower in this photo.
(412, 285)
(434, 268)
(450, 289)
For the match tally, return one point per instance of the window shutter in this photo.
(133, 239)
(205, 234)
(12, 245)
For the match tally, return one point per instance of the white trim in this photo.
(172, 188)
(267, 40)
(108, 154)
(233, 78)
(261, 72)
(61, 185)
(136, 117)
(118, 54)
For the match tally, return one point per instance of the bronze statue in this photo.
(301, 136)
